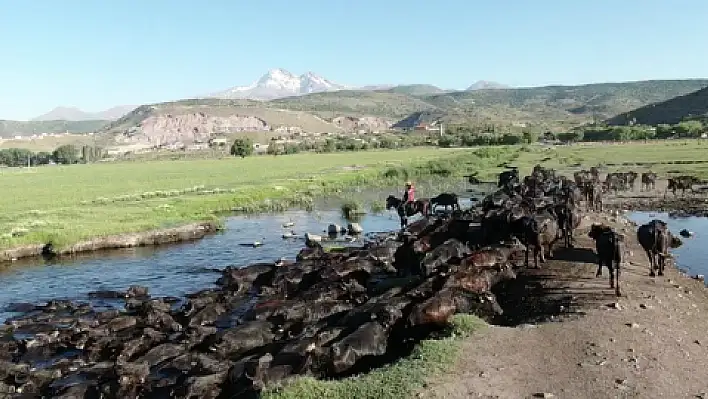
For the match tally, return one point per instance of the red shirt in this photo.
(410, 195)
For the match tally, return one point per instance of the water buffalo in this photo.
(508, 178)
(609, 253)
(594, 193)
(539, 232)
(656, 239)
(569, 218)
(682, 183)
(648, 181)
(445, 199)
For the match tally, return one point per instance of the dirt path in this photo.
(650, 343)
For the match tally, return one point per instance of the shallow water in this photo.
(178, 269)
(692, 254)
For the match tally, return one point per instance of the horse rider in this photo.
(408, 196)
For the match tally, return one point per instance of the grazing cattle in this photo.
(630, 179)
(406, 260)
(492, 256)
(682, 183)
(595, 173)
(539, 232)
(609, 253)
(508, 178)
(445, 199)
(615, 182)
(443, 254)
(568, 220)
(656, 239)
(648, 180)
(594, 197)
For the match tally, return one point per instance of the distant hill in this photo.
(548, 104)
(552, 107)
(485, 84)
(22, 128)
(417, 118)
(689, 106)
(75, 114)
(416, 89)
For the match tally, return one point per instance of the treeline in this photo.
(688, 129)
(65, 154)
(471, 136)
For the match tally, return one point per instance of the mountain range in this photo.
(275, 84)
(281, 101)
(75, 114)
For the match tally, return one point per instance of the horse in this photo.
(421, 206)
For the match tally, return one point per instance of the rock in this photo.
(686, 233)
(333, 229)
(137, 291)
(354, 228)
(313, 237)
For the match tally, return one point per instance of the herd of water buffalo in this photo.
(331, 313)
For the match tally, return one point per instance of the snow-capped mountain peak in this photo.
(278, 83)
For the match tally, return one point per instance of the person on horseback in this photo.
(408, 196)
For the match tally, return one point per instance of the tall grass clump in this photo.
(352, 210)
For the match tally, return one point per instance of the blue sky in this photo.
(95, 54)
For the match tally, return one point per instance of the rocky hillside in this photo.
(689, 106)
(549, 104)
(198, 120)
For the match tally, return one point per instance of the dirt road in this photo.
(650, 343)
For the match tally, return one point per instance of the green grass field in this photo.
(66, 204)
(666, 157)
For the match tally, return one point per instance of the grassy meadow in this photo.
(665, 157)
(66, 204)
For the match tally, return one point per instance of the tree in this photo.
(66, 154)
(242, 147)
(529, 136)
(91, 153)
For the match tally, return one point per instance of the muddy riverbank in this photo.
(189, 232)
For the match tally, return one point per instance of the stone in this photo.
(355, 228)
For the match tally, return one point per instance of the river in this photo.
(177, 269)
